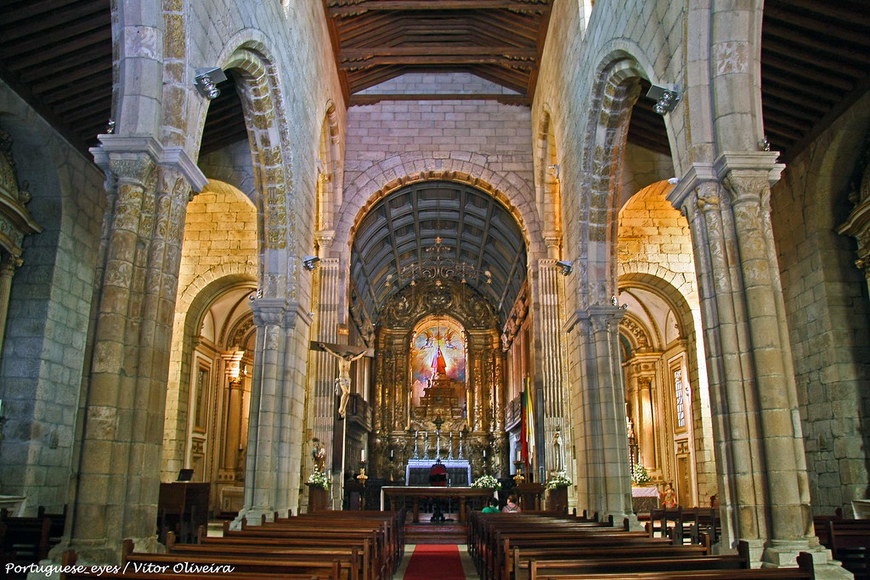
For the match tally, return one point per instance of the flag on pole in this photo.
(528, 425)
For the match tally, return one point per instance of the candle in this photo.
(362, 455)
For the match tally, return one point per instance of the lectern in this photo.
(182, 507)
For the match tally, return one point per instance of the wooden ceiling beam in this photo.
(446, 60)
(807, 88)
(46, 82)
(814, 26)
(813, 75)
(773, 92)
(350, 54)
(84, 48)
(439, 6)
(842, 10)
(814, 51)
(48, 13)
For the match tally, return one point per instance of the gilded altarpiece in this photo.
(439, 373)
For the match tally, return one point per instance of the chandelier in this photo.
(438, 265)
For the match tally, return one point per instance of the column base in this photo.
(783, 554)
(254, 516)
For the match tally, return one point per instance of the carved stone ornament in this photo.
(458, 300)
(858, 223)
(15, 221)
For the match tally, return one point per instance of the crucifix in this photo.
(345, 354)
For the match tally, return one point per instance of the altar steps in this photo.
(432, 533)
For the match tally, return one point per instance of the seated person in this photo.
(511, 506)
(491, 507)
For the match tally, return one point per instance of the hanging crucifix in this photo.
(345, 354)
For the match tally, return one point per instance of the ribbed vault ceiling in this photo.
(436, 226)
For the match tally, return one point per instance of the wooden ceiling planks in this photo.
(57, 54)
(497, 40)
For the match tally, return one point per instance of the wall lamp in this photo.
(207, 80)
(666, 98)
(309, 262)
(567, 267)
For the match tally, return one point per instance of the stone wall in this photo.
(393, 139)
(52, 292)
(828, 309)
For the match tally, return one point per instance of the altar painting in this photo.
(438, 357)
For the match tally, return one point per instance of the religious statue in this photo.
(318, 454)
(343, 379)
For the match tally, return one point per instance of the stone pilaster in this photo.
(641, 394)
(272, 472)
(600, 430)
(233, 416)
(118, 483)
(322, 364)
(763, 485)
(549, 359)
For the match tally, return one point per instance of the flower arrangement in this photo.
(486, 481)
(558, 480)
(319, 479)
(639, 474)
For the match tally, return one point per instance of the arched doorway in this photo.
(436, 269)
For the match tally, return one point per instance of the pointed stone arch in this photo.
(548, 186)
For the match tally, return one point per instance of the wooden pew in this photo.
(26, 539)
(500, 534)
(394, 523)
(74, 572)
(262, 563)
(380, 557)
(621, 560)
(849, 542)
(351, 555)
(521, 559)
(684, 524)
(820, 523)
(379, 561)
(804, 571)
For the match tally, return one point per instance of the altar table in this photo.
(399, 494)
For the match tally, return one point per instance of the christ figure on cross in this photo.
(343, 379)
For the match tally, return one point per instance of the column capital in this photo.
(118, 147)
(749, 162)
(278, 312)
(686, 187)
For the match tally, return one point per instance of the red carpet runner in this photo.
(435, 562)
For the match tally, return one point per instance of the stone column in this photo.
(118, 481)
(600, 430)
(641, 393)
(549, 356)
(764, 490)
(272, 474)
(233, 418)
